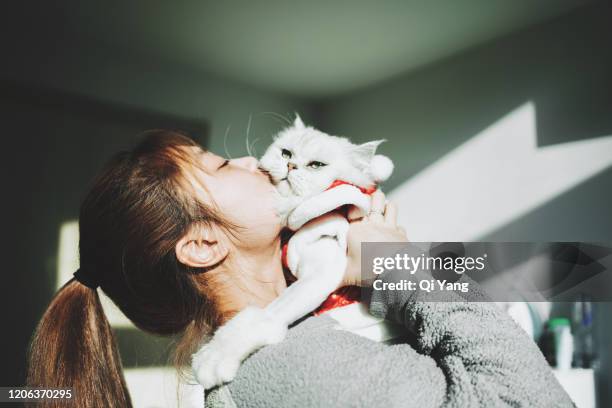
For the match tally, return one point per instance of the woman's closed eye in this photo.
(225, 163)
(316, 164)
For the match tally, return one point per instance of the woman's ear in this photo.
(201, 248)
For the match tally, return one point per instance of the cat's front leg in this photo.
(305, 249)
(285, 205)
(320, 270)
(218, 360)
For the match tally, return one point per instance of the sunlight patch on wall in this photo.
(493, 179)
(68, 262)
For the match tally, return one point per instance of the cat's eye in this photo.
(316, 164)
(286, 153)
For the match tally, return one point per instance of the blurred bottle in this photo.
(563, 342)
(582, 322)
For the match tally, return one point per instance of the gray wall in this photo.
(564, 66)
(116, 76)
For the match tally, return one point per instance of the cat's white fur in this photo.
(356, 164)
(316, 252)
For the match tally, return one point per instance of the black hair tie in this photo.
(86, 278)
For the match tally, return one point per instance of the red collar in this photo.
(365, 190)
(341, 297)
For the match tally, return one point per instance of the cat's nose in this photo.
(291, 166)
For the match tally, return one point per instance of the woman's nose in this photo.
(248, 163)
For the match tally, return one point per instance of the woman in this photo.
(182, 239)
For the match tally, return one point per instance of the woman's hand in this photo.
(380, 225)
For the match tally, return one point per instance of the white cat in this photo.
(302, 162)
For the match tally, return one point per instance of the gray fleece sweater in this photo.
(458, 352)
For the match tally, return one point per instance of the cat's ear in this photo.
(362, 154)
(298, 122)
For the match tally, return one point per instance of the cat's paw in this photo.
(218, 360)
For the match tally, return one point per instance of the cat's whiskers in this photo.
(248, 131)
(253, 147)
(276, 115)
(227, 154)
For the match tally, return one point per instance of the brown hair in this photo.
(129, 223)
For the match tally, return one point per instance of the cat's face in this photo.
(304, 161)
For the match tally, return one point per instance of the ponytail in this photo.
(142, 202)
(74, 347)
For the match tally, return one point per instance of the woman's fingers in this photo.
(355, 213)
(391, 214)
(377, 209)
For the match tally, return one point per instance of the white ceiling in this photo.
(307, 48)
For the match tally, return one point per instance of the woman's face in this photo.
(244, 195)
